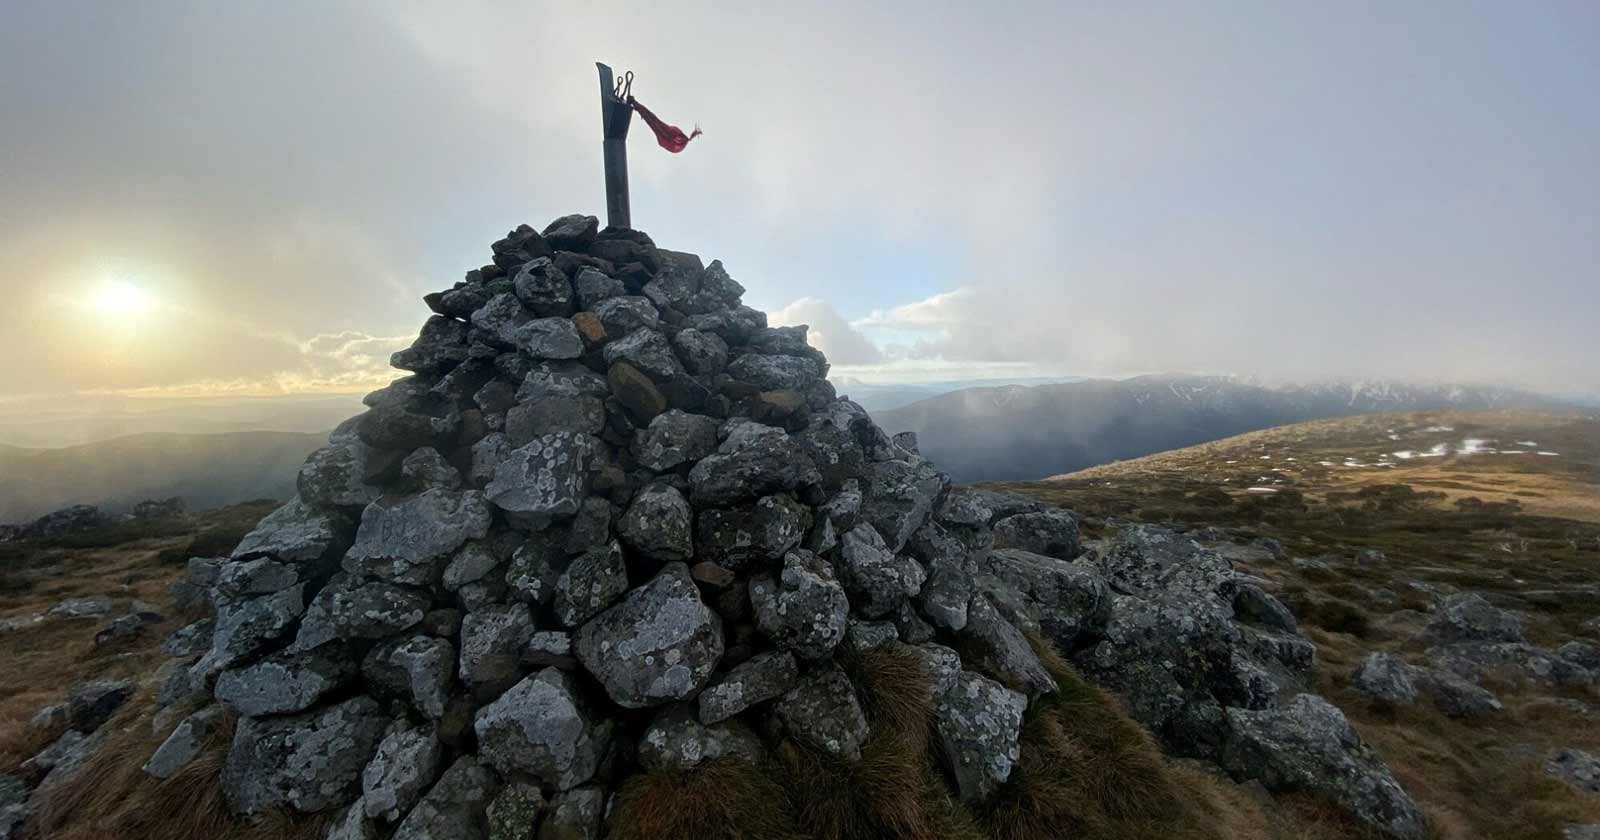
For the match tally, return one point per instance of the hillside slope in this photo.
(205, 470)
(1025, 433)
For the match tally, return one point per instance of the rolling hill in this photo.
(1018, 432)
(205, 470)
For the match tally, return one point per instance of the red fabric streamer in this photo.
(669, 136)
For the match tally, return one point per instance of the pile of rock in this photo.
(615, 521)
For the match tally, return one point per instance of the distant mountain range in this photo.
(1023, 433)
(206, 470)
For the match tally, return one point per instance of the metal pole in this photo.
(615, 116)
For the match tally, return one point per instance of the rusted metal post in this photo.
(615, 115)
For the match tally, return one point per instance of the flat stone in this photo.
(765, 676)
(284, 683)
(548, 478)
(542, 727)
(405, 765)
(296, 533)
(822, 711)
(979, 722)
(406, 539)
(659, 645)
(185, 743)
(309, 762)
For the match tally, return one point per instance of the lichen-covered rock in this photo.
(426, 469)
(703, 353)
(335, 475)
(822, 711)
(284, 683)
(1309, 746)
(406, 540)
(309, 762)
(455, 808)
(296, 533)
(532, 576)
(247, 628)
(1001, 649)
(753, 461)
(658, 524)
(898, 497)
(765, 676)
(878, 580)
(91, 704)
(1454, 696)
(623, 315)
(1052, 533)
(802, 608)
(593, 581)
(751, 535)
(979, 722)
(577, 414)
(546, 479)
(661, 644)
(515, 811)
(550, 338)
(544, 289)
(1065, 599)
(1386, 678)
(542, 727)
(185, 743)
(492, 639)
(675, 438)
(676, 740)
(1577, 768)
(417, 669)
(576, 814)
(1468, 617)
(350, 609)
(862, 636)
(772, 373)
(406, 763)
(1253, 604)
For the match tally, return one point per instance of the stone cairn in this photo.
(613, 521)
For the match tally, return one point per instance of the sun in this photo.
(120, 297)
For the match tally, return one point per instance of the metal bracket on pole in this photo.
(615, 115)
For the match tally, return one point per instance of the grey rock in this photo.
(309, 762)
(899, 496)
(1577, 768)
(532, 575)
(648, 351)
(353, 824)
(822, 711)
(661, 644)
(240, 579)
(499, 317)
(427, 469)
(121, 629)
(284, 683)
(971, 507)
(334, 476)
(68, 757)
(675, 438)
(752, 461)
(549, 648)
(573, 414)
(1582, 654)
(575, 815)
(676, 740)
(456, 808)
(774, 373)
(441, 346)
(1309, 746)
(1252, 603)
(574, 232)
(1001, 649)
(862, 636)
(515, 811)
(1066, 600)
(591, 527)
(1386, 678)
(348, 609)
(907, 441)
(593, 581)
(548, 478)
(658, 524)
(741, 537)
(1510, 660)
(760, 678)
(247, 628)
(471, 563)
(406, 539)
(544, 289)
(1468, 617)
(593, 286)
(418, 669)
(405, 765)
(561, 379)
(803, 608)
(542, 727)
(979, 722)
(1454, 696)
(942, 664)
(550, 338)
(486, 457)
(93, 703)
(877, 579)
(1581, 832)
(14, 807)
(623, 315)
(1052, 533)
(492, 640)
(93, 606)
(703, 353)
(185, 743)
(296, 533)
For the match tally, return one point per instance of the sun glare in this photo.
(120, 297)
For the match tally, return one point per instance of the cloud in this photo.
(828, 332)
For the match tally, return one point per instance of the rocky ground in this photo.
(616, 561)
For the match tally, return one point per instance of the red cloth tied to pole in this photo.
(669, 136)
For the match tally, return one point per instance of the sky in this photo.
(204, 199)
